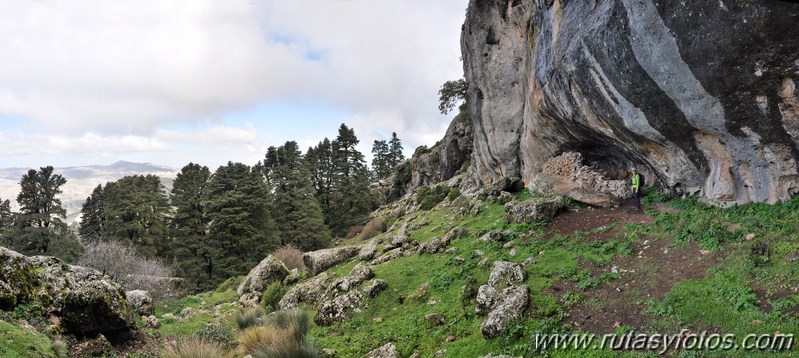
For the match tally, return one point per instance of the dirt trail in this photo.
(652, 270)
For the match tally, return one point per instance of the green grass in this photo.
(19, 342)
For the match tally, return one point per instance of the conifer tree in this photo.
(135, 212)
(351, 198)
(189, 226)
(395, 156)
(241, 229)
(381, 160)
(91, 222)
(297, 214)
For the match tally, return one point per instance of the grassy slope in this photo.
(745, 293)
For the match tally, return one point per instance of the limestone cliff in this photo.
(700, 95)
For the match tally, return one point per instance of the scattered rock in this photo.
(486, 298)
(152, 322)
(319, 261)
(338, 308)
(329, 353)
(368, 251)
(536, 209)
(185, 313)
(311, 292)
(386, 351)
(435, 319)
(492, 236)
(374, 287)
(434, 246)
(528, 262)
(450, 339)
(386, 257)
(140, 301)
(512, 252)
(357, 275)
(440, 352)
(293, 277)
(269, 270)
(506, 272)
(96, 347)
(509, 305)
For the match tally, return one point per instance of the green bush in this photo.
(216, 333)
(430, 197)
(230, 284)
(453, 194)
(272, 295)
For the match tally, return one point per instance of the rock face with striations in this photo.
(701, 96)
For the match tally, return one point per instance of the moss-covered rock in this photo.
(18, 278)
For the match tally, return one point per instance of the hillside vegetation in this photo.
(678, 265)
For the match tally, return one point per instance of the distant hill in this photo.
(82, 180)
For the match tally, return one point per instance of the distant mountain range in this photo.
(82, 180)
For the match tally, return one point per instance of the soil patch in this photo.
(649, 273)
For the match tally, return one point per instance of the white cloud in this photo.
(120, 70)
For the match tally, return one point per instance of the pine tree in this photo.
(135, 211)
(319, 160)
(351, 198)
(91, 222)
(189, 225)
(6, 216)
(297, 214)
(241, 230)
(381, 161)
(395, 152)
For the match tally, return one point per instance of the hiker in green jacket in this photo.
(635, 186)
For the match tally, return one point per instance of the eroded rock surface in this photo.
(269, 270)
(502, 299)
(321, 260)
(532, 210)
(699, 104)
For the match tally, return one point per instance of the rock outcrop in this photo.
(536, 209)
(141, 302)
(84, 301)
(700, 96)
(321, 260)
(502, 307)
(269, 270)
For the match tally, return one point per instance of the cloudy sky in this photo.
(173, 81)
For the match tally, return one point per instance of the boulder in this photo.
(389, 350)
(338, 308)
(507, 273)
(140, 301)
(311, 292)
(368, 250)
(374, 287)
(434, 246)
(269, 270)
(509, 306)
(86, 301)
(533, 210)
(435, 319)
(319, 261)
(152, 322)
(357, 275)
(18, 278)
(386, 257)
(292, 278)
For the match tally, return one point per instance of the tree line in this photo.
(211, 225)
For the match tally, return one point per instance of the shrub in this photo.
(197, 347)
(352, 231)
(453, 194)
(372, 228)
(272, 295)
(230, 284)
(249, 318)
(128, 268)
(428, 197)
(216, 333)
(291, 256)
(282, 335)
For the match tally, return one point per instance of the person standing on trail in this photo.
(635, 186)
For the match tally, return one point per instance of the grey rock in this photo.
(321, 260)
(506, 273)
(292, 278)
(374, 287)
(368, 250)
(510, 305)
(311, 292)
(435, 319)
(338, 308)
(492, 236)
(386, 257)
(140, 301)
(389, 350)
(329, 353)
(152, 322)
(434, 246)
(357, 275)
(486, 298)
(269, 270)
(541, 80)
(533, 210)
